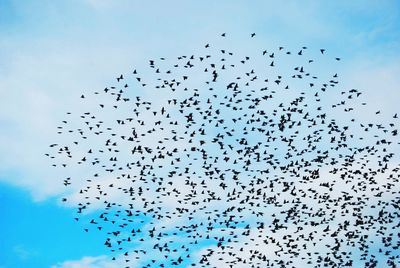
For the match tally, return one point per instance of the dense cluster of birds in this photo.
(230, 159)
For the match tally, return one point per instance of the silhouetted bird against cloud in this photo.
(254, 158)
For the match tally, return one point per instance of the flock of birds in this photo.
(225, 159)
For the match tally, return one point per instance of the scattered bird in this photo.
(254, 161)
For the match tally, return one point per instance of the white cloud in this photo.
(23, 253)
(93, 262)
(48, 72)
(47, 75)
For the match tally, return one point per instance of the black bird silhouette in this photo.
(258, 166)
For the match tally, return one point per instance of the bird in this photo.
(257, 166)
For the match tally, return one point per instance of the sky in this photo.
(53, 51)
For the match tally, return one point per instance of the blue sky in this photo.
(35, 234)
(51, 51)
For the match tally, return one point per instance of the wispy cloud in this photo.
(23, 253)
(92, 262)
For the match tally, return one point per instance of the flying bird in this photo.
(257, 166)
